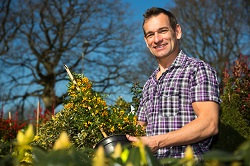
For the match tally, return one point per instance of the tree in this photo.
(55, 32)
(9, 25)
(145, 67)
(215, 31)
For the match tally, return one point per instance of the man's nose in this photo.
(157, 37)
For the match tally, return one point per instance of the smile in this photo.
(161, 46)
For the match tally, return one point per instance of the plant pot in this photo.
(110, 142)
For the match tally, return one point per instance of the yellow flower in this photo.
(189, 157)
(189, 153)
(112, 129)
(85, 80)
(124, 155)
(27, 158)
(68, 106)
(36, 138)
(85, 124)
(99, 159)
(20, 138)
(117, 151)
(62, 142)
(135, 118)
(104, 113)
(83, 89)
(125, 119)
(27, 137)
(122, 112)
(96, 111)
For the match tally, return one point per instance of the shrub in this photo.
(84, 115)
(235, 107)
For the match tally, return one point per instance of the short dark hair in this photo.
(154, 11)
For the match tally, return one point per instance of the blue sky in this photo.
(140, 6)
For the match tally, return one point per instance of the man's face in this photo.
(160, 38)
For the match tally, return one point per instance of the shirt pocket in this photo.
(147, 106)
(170, 102)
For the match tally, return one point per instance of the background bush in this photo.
(235, 107)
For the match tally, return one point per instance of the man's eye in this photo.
(163, 31)
(149, 35)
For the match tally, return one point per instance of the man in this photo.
(180, 101)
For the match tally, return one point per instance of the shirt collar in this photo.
(179, 61)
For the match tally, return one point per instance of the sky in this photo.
(140, 6)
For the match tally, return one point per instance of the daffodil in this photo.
(189, 159)
(117, 151)
(124, 155)
(189, 153)
(22, 149)
(99, 159)
(62, 142)
(27, 137)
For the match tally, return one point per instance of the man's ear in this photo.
(146, 41)
(178, 31)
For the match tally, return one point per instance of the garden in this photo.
(70, 136)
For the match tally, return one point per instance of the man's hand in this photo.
(150, 141)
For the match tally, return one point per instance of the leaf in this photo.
(134, 156)
(220, 156)
(151, 160)
(61, 157)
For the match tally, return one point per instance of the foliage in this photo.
(138, 154)
(8, 131)
(85, 116)
(136, 91)
(235, 106)
(9, 127)
(22, 146)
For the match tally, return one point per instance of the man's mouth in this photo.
(160, 46)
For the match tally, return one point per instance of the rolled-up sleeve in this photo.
(205, 86)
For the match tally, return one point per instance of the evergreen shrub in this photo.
(235, 107)
(84, 115)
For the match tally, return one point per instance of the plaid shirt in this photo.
(166, 103)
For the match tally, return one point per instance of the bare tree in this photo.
(95, 33)
(144, 67)
(8, 25)
(215, 31)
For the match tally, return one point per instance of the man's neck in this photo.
(165, 63)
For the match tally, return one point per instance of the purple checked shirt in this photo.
(166, 103)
